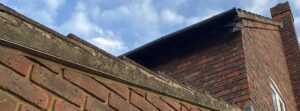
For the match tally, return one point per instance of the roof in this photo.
(232, 15)
(80, 55)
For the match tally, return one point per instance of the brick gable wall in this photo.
(215, 65)
(265, 60)
(282, 13)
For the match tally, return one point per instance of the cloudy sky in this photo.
(118, 26)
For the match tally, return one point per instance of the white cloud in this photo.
(297, 20)
(297, 4)
(140, 17)
(196, 19)
(137, 12)
(43, 11)
(260, 6)
(257, 6)
(297, 25)
(171, 17)
(109, 44)
(42, 16)
(171, 3)
(176, 2)
(80, 24)
(45, 17)
(107, 24)
(193, 20)
(296, 9)
(53, 5)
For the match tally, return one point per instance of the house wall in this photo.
(264, 56)
(29, 83)
(283, 13)
(41, 69)
(215, 64)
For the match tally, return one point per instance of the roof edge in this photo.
(168, 36)
(239, 13)
(243, 14)
(53, 47)
(29, 20)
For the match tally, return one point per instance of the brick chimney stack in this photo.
(283, 13)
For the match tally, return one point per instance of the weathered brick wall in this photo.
(282, 12)
(215, 64)
(65, 74)
(265, 59)
(32, 84)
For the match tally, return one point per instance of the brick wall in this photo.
(265, 59)
(28, 83)
(215, 64)
(65, 73)
(282, 12)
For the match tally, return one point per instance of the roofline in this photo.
(242, 14)
(100, 64)
(29, 20)
(18, 15)
(231, 11)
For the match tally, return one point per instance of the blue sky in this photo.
(118, 26)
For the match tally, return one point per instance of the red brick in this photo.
(140, 102)
(283, 13)
(233, 74)
(57, 84)
(185, 107)
(119, 103)
(235, 94)
(138, 91)
(200, 109)
(196, 109)
(242, 98)
(61, 105)
(7, 103)
(119, 88)
(24, 88)
(244, 103)
(52, 67)
(264, 60)
(87, 83)
(183, 66)
(26, 107)
(208, 64)
(231, 90)
(158, 103)
(174, 104)
(222, 93)
(93, 104)
(16, 61)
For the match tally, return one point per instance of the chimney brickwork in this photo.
(282, 13)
